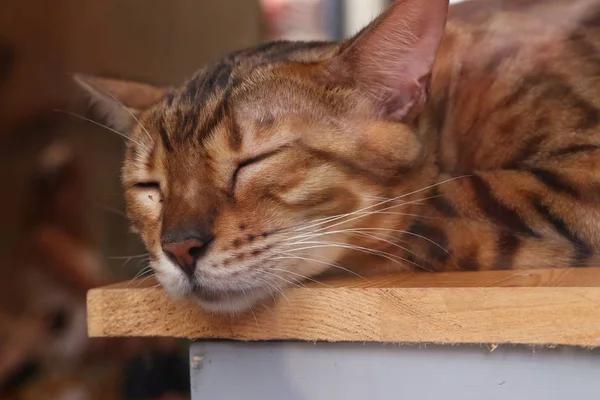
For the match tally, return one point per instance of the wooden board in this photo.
(539, 307)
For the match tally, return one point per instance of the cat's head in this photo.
(241, 181)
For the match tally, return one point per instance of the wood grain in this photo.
(541, 307)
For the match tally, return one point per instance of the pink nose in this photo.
(185, 253)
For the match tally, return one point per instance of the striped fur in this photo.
(489, 161)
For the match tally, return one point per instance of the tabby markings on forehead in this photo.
(215, 83)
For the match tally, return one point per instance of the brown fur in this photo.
(487, 161)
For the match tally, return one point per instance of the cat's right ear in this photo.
(120, 102)
(391, 60)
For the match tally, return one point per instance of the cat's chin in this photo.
(230, 302)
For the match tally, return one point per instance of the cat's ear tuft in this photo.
(392, 58)
(120, 102)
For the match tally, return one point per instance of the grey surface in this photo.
(353, 371)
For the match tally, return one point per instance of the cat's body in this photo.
(278, 163)
(515, 106)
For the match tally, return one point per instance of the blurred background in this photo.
(62, 225)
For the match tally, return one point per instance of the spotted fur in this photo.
(290, 159)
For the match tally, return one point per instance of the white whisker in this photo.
(392, 199)
(320, 244)
(334, 265)
(275, 287)
(299, 275)
(101, 125)
(369, 229)
(127, 257)
(144, 271)
(363, 234)
(295, 284)
(112, 210)
(308, 234)
(124, 107)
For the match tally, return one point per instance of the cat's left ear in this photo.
(120, 101)
(391, 59)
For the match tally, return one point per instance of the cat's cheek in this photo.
(144, 210)
(150, 204)
(145, 218)
(143, 207)
(394, 142)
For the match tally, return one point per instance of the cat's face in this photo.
(284, 156)
(261, 170)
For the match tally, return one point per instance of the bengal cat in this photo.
(434, 140)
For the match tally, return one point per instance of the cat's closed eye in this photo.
(247, 162)
(147, 185)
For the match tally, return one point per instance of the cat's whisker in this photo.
(113, 210)
(144, 279)
(330, 264)
(299, 275)
(255, 319)
(363, 215)
(367, 235)
(143, 260)
(123, 106)
(430, 241)
(294, 284)
(128, 257)
(373, 229)
(123, 135)
(246, 298)
(142, 272)
(154, 286)
(403, 214)
(382, 211)
(141, 281)
(275, 287)
(380, 198)
(319, 221)
(320, 244)
(398, 197)
(309, 234)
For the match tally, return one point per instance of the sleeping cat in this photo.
(433, 140)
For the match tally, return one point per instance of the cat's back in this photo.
(515, 80)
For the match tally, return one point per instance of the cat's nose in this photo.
(186, 253)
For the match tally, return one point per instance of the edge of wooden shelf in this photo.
(537, 307)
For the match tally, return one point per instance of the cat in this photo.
(435, 139)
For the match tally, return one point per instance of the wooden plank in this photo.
(542, 307)
(570, 277)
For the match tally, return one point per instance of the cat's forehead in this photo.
(231, 69)
(195, 109)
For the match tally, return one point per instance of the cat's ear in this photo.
(392, 58)
(120, 102)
